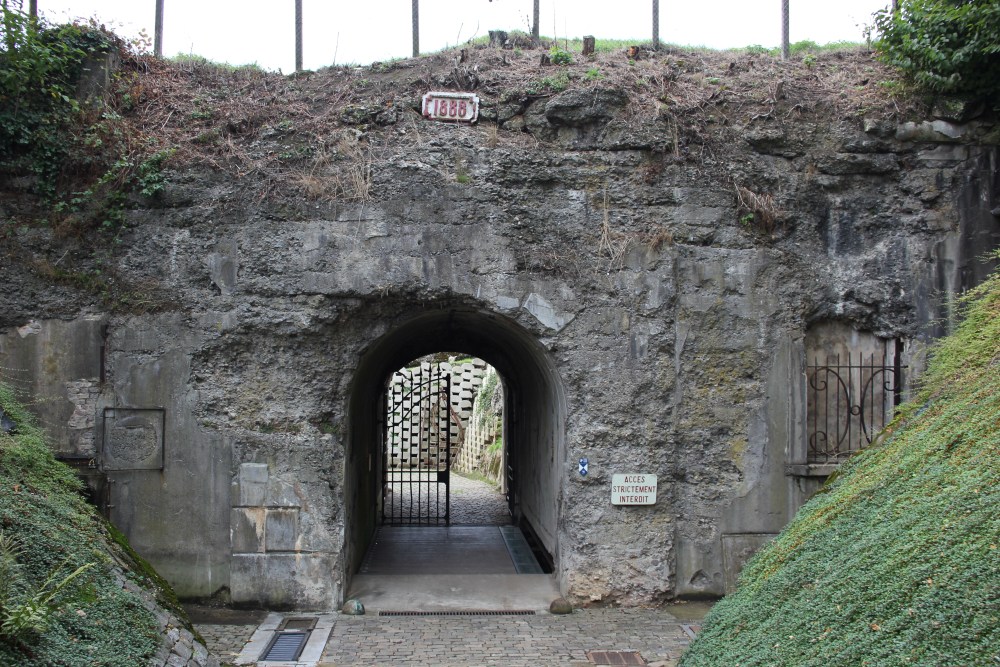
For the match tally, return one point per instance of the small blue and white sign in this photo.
(584, 467)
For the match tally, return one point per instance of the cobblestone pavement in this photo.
(473, 502)
(225, 641)
(476, 503)
(484, 641)
(508, 641)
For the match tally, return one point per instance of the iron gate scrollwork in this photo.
(849, 403)
(416, 480)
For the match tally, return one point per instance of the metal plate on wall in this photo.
(133, 438)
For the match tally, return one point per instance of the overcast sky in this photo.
(363, 31)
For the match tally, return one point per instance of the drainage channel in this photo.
(483, 612)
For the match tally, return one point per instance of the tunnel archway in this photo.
(534, 417)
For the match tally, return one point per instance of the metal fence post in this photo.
(158, 30)
(656, 25)
(785, 47)
(534, 22)
(416, 28)
(298, 35)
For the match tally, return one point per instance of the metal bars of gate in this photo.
(418, 448)
(848, 404)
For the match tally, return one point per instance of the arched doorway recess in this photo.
(534, 415)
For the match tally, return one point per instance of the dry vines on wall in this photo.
(757, 211)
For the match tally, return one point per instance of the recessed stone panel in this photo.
(247, 529)
(133, 438)
(251, 485)
(281, 529)
(285, 580)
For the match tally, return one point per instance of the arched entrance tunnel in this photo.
(534, 414)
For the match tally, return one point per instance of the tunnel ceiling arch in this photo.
(515, 353)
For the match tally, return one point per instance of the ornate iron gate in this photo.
(416, 479)
(849, 403)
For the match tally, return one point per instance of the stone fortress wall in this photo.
(616, 276)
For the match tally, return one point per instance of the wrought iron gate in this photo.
(849, 403)
(416, 479)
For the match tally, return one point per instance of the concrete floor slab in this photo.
(454, 592)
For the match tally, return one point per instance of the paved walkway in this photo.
(660, 636)
(473, 502)
(508, 641)
(225, 641)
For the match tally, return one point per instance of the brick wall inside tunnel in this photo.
(639, 319)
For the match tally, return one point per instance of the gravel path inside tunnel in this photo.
(473, 502)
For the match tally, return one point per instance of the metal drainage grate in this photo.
(508, 612)
(285, 646)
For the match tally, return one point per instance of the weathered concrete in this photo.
(639, 315)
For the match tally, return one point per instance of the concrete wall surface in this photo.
(638, 314)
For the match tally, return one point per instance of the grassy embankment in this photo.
(48, 532)
(897, 561)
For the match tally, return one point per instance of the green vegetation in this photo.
(60, 601)
(194, 61)
(83, 157)
(804, 48)
(895, 562)
(556, 83)
(560, 56)
(39, 70)
(944, 46)
(574, 45)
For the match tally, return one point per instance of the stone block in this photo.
(247, 529)
(282, 580)
(281, 529)
(252, 484)
(944, 155)
(857, 163)
(182, 649)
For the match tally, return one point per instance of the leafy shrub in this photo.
(39, 70)
(560, 56)
(83, 157)
(945, 46)
(894, 562)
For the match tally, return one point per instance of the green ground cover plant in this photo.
(61, 601)
(897, 560)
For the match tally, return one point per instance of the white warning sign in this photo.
(633, 489)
